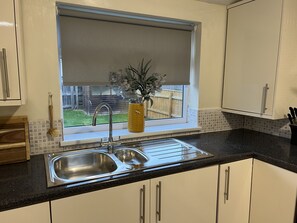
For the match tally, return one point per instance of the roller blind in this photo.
(93, 45)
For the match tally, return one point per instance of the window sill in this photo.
(94, 137)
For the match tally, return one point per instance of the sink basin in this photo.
(75, 166)
(131, 157)
(82, 165)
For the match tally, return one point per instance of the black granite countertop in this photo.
(25, 183)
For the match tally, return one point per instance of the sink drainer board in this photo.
(171, 150)
(89, 164)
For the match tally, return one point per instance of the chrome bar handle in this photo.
(142, 204)
(264, 100)
(227, 181)
(5, 73)
(158, 200)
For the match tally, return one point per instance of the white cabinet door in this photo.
(12, 67)
(273, 194)
(234, 192)
(39, 213)
(10, 82)
(188, 197)
(125, 204)
(251, 56)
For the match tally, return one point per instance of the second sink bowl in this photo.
(131, 157)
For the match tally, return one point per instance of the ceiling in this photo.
(221, 2)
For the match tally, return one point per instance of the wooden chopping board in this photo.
(14, 139)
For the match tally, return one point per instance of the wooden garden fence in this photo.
(167, 104)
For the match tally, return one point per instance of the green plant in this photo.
(137, 83)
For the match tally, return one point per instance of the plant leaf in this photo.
(147, 67)
(151, 101)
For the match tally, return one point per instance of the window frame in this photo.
(124, 126)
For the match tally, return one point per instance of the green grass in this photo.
(79, 118)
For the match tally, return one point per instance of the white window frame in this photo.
(124, 125)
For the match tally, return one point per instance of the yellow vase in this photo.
(136, 117)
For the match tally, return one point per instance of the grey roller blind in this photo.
(93, 46)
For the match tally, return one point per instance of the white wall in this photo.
(41, 54)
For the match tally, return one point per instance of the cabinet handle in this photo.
(158, 201)
(265, 90)
(5, 74)
(142, 204)
(227, 180)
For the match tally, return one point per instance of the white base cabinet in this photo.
(39, 213)
(185, 197)
(125, 204)
(188, 197)
(234, 192)
(273, 195)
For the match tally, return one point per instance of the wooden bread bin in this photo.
(14, 139)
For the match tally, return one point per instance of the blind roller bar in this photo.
(125, 18)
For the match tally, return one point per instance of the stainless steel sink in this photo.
(81, 165)
(131, 157)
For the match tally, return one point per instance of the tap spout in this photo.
(94, 120)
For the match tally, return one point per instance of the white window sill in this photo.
(94, 137)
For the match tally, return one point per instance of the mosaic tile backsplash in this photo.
(274, 127)
(40, 141)
(210, 121)
(215, 120)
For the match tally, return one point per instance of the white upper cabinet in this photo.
(260, 70)
(11, 65)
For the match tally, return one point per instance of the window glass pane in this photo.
(167, 104)
(79, 103)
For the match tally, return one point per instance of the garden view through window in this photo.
(79, 103)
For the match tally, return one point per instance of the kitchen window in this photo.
(94, 43)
